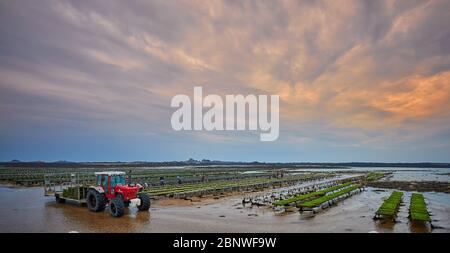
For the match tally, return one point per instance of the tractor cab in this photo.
(109, 179)
(113, 184)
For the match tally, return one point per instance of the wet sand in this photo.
(27, 210)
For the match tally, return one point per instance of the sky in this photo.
(93, 80)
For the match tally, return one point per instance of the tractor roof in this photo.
(110, 173)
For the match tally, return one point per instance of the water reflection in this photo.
(385, 225)
(419, 227)
(79, 218)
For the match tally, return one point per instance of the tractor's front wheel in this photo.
(95, 201)
(117, 207)
(145, 202)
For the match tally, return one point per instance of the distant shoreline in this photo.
(219, 164)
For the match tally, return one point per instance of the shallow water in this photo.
(27, 210)
(398, 174)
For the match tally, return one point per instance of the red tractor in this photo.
(111, 187)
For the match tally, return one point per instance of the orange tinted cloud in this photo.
(347, 68)
(417, 97)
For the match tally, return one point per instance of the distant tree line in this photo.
(206, 162)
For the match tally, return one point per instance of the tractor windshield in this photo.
(102, 180)
(117, 179)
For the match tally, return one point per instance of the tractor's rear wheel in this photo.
(145, 202)
(116, 207)
(95, 201)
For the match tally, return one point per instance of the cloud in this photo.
(349, 73)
